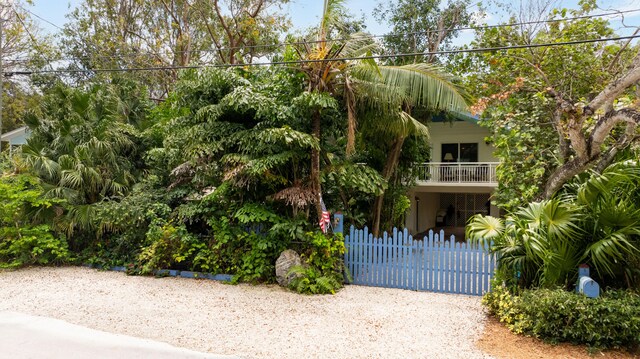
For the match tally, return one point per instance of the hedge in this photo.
(610, 321)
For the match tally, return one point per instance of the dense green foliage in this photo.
(87, 147)
(215, 179)
(610, 321)
(140, 34)
(323, 268)
(519, 93)
(595, 221)
(22, 241)
(384, 94)
(525, 143)
(222, 150)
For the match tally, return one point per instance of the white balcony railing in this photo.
(458, 172)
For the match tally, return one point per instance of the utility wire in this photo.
(40, 17)
(483, 27)
(373, 57)
(78, 42)
(31, 37)
(309, 42)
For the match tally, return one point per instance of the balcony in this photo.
(458, 173)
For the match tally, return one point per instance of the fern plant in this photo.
(322, 269)
(309, 280)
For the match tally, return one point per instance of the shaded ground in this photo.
(498, 341)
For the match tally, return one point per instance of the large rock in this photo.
(288, 259)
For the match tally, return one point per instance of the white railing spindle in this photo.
(458, 172)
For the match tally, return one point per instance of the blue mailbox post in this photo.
(338, 223)
(586, 285)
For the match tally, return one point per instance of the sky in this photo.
(305, 13)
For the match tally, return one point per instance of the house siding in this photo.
(430, 196)
(460, 132)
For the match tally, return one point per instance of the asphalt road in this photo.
(28, 336)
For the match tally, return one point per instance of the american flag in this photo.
(326, 217)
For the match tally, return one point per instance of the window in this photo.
(459, 152)
(462, 206)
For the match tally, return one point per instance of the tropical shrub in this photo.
(23, 242)
(121, 224)
(610, 321)
(322, 271)
(86, 147)
(243, 241)
(610, 204)
(249, 240)
(595, 221)
(236, 164)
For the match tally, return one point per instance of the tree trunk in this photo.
(561, 175)
(315, 164)
(587, 146)
(388, 170)
(343, 196)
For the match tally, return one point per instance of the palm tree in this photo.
(596, 221)
(392, 90)
(610, 202)
(83, 146)
(394, 93)
(535, 243)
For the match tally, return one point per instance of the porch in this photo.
(447, 208)
(456, 173)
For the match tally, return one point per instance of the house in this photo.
(458, 182)
(16, 137)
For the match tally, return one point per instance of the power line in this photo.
(373, 57)
(309, 42)
(31, 37)
(39, 17)
(60, 28)
(483, 27)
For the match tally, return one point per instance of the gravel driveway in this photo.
(252, 321)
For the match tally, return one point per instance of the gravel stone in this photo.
(264, 321)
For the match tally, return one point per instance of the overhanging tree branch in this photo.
(615, 88)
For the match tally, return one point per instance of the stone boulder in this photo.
(287, 260)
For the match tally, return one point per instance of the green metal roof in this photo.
(457, 116)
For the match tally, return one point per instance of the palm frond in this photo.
(561, 220)
(359, 45)
(608, 252)
(401, 124)
(484, 229)
(531, 215)
(560, 263)
(417, 85)
(427, 86)
(296, 196)
(332, 10)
